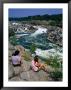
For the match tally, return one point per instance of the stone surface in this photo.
(24, 76)
(16, 78)
(10, 71)
(17, 70)
(55, 35)
(25, 73)
(26, 65)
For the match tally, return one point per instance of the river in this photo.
(39, 39)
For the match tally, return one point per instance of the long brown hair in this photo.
(36, 58)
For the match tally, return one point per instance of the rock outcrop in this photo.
(55, 35)
(24, 72)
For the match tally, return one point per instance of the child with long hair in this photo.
(36, 65)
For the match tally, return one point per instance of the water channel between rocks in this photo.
(39, 40)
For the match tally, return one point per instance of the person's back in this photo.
(16, 58)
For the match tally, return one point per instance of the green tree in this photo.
(13, 40)
(52, 23)
(32, 48)
(11, 32)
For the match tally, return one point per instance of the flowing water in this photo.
(38, 38)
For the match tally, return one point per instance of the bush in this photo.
(27, 55)
(56, 75)
(52, 23)
(13, 40)
(54, 62)
(11, 32)
(32, 48)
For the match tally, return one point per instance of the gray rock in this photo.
(55, 35)
(17, 70)
(11, 47)
(32, 76)
(10, 71)
(26, 65)
(50, 69)
(43, 76)
(29, 75)
(24, 73)
(16, 78)
(24, 76)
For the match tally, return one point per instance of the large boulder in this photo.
(26, 65)
(34, 76)
(21, 49)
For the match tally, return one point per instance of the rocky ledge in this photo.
(25, 73)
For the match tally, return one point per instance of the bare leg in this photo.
(42, 67)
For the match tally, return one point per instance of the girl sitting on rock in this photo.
(36, 65)
(16, 58)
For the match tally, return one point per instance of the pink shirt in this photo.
(33, 66)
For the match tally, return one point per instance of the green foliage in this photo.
(27, 55)
(56, 75)
(11, 32)
(56, 19)
(54, 62)
(52, 23)
(32, 48)
(13, 40)
(39, 22)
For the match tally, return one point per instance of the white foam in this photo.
(47, 53)
(40, 30)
